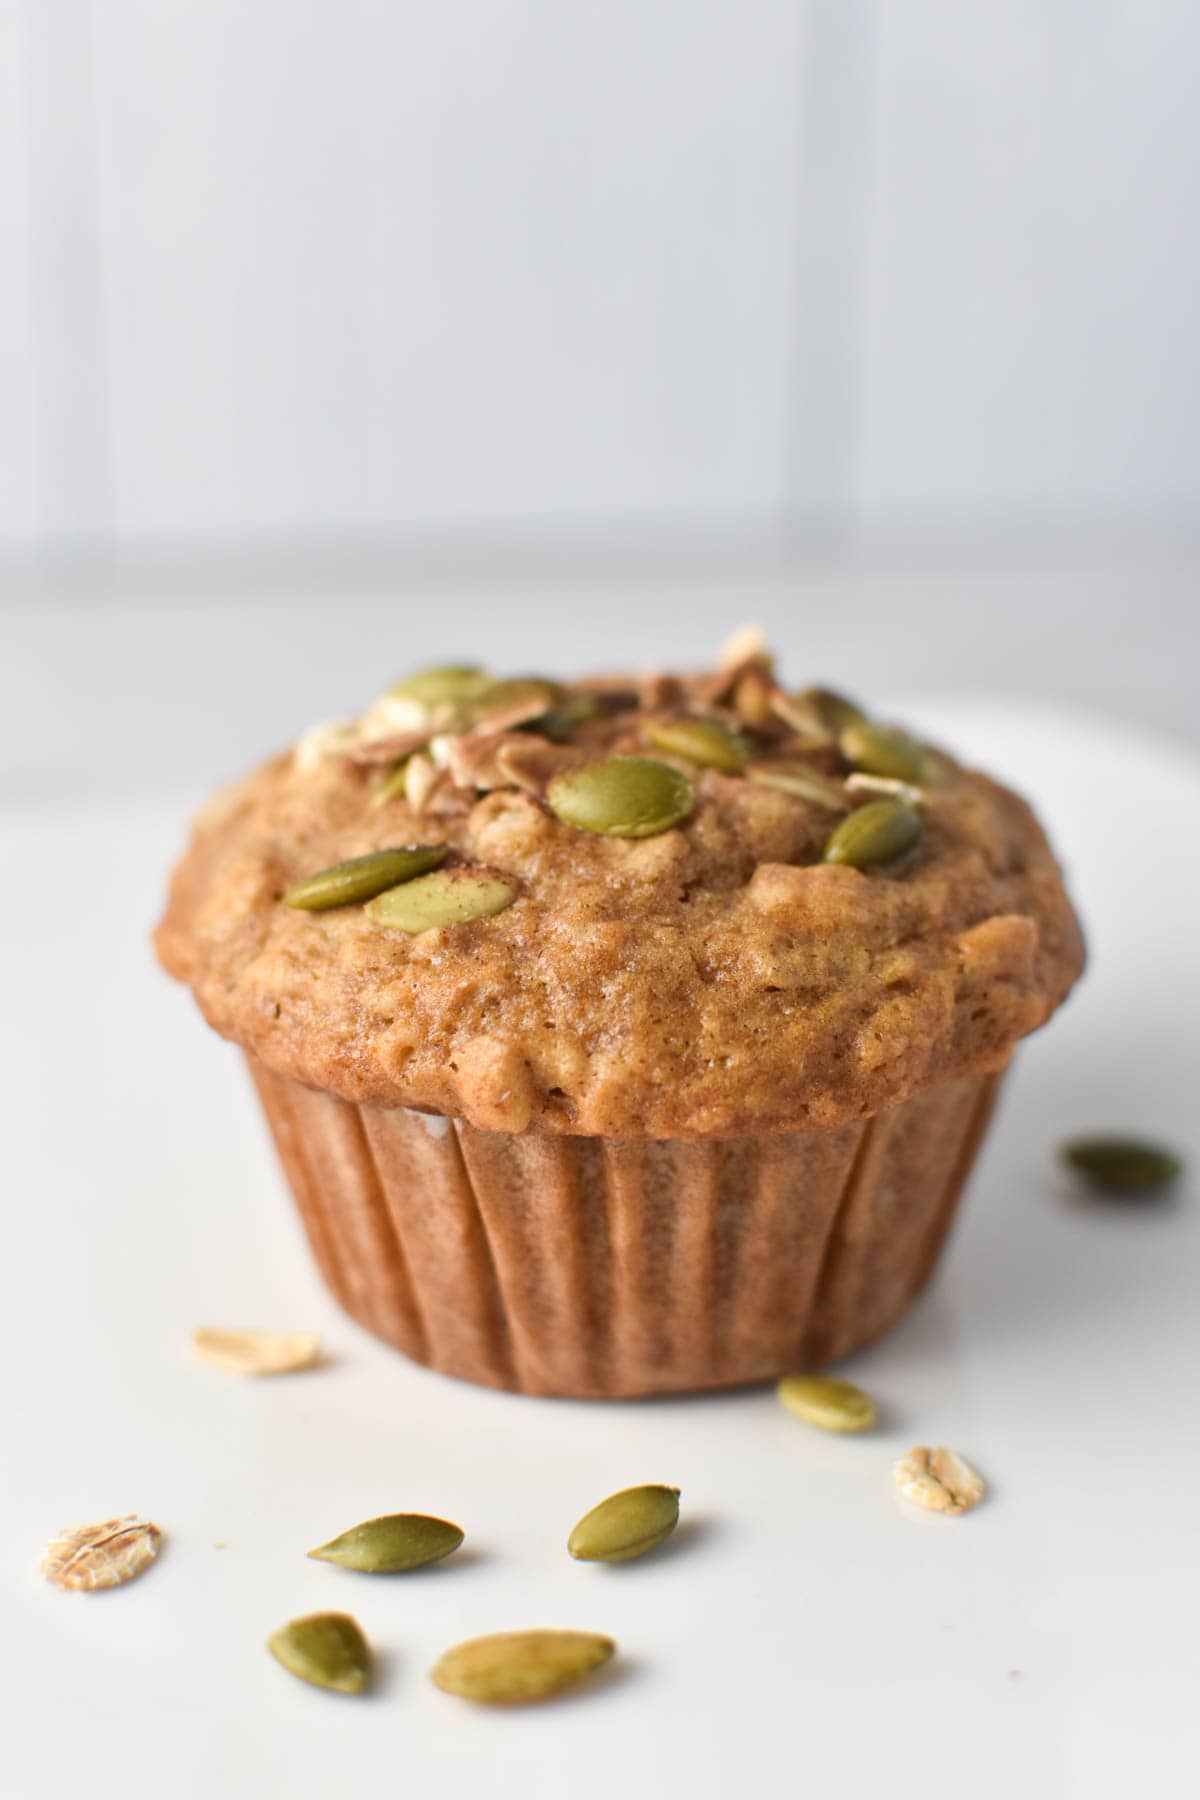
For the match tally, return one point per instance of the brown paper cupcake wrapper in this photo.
(588, 1266)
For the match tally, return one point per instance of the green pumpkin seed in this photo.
(828, 710)
(625, 796)
(499, 695)
(449, 684)
(827, 1401)
(512, 1667)
(876, 833)
(1116, 1165)
(576, 709)
(883, 750)
(708, 742)
(347, 883)
(326, 1649)
(754, 700)
(802, 783)
(448, 897)
(392, 1544)
(626, 1525)
(393, 786)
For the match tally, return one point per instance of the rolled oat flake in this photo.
(252, 1352)
(86, 1558)
(938, 1480)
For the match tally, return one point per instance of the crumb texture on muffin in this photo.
(716, 978)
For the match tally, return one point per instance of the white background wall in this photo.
(390, 269)
(875, 318)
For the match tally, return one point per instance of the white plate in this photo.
(801, 1634)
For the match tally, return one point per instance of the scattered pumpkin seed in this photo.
(708, 742)
(392, 786)
(827, 1401)
(447, 684)
(884, 750)
(89, 1557)
(624, 796)
(802, 783)
(513, 1667)
(876, 833)
(390, 1545)
(626, 1524)
(447, 897)
(256, 1352)
(362, 877)
(326, 1649)
(1118, 1165)
(938, 1480)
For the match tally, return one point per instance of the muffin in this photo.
(648, 1038)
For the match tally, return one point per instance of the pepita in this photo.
(499, 696)
(327, 1650)
(624, 796)
(392, 787)
(256, 1352)
(884, 750)
(447, 897)
(802, 783)
(576, 709)
(708, 742)
(447, 684)
(876, 833)
(90, 1557)
(362, 877)
(1118, 1165)
(626, 1525)
(754, 699)
(514, 1667)
(828, 1402)
(825, 708)
(392, 1544)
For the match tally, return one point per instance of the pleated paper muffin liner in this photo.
(595, 1267)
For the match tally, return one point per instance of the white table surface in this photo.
(801, 1634)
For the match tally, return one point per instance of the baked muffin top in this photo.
(659, 906)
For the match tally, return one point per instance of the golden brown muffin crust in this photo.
(716, 979)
